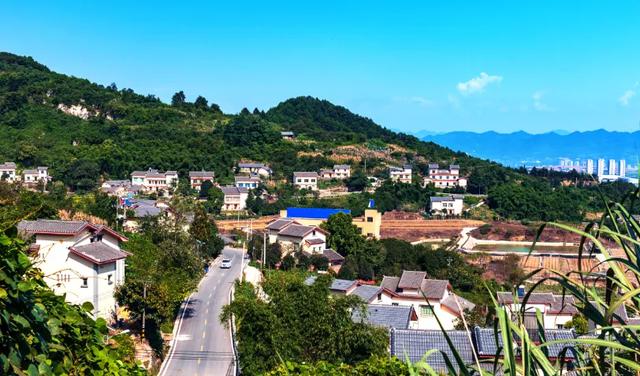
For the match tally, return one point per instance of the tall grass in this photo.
(614, 347)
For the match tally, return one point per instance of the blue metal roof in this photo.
(316, 213)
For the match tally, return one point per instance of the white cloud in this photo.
(477, 84)
(538, 105)
(626, 97)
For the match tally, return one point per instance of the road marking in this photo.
(176, 328)
(204, 334)
(205, 323)
(207, 311)
(201, 347)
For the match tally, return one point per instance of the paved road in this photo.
(202, 345)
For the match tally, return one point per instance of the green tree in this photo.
(205, 232)
(201, 103)
(215, 200)
(178, 99)
(344, 237)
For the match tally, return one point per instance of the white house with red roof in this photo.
(80, 260)
(428, 297)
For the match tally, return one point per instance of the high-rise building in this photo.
(612, 167)
(590, 166)
(600, 166)
(623, 168)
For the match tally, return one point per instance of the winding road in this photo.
(201, 344)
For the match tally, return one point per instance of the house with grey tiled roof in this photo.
(154, 181)
(339, 171)
(306, 180)
(247, 181)
(446, 205)
(196, 178)
(297, 237)
(557, 310)
(8, 171)
(34, 177)
(80, 260)
(444, 177)
(235, 198)
(429, 298)
(253, 168)
(387, 316)
(401, 174)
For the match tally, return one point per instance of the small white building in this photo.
(259, 169)
(446, 205)
(196, 178)
(556, 310)
(8, 171)
(154, 181)
(287, 135)
(293, 236)
(235, 199)
(306, 180)
(414, 289)
(445, 178)
(33, 177)
(401, 174)
(80, 260)
(247, 181)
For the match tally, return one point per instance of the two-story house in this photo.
(251, 168)
(556, 310)
(81, 260)
(447, 205)
(306, 180)
(235, 198)
(293, 236)
(196, 178)
(414, 289)
(444, 178)
(401, 174)
(32, 178)
(8, 171)
(154, 181)
(247, 181)
(339, 171)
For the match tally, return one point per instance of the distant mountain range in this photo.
(522, 148)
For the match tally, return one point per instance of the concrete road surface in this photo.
(202, 345)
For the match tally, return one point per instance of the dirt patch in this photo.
(412, 227)
(515, 231)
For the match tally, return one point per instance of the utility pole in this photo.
(264, 249)
(144, 309)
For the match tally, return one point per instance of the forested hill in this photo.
(84, 131)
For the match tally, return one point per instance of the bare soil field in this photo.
(413, 227)
(515, 231)
(227, 225)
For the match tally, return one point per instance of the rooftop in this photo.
(201, 174)
(314, 213)
(297, 231)
(305, 174)
(366, 292)
(98, 253)
(414, 344)
(386, 316)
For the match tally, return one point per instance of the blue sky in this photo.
(424, 65)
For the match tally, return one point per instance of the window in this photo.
(379, 297)
(426, 311)
(394, 304)
(109, 280)
(85, 283)
(369, 219)
(560, 326)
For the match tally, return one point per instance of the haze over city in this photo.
(439, 67)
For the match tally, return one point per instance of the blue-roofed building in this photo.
(369, 224)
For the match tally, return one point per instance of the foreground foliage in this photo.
(299, 323)
(40, 333)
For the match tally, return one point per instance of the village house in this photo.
(444, 178)
(138, 209)
(235, 198)
(79, 260)
(287, 135)
(306, 180)
(387, 316)
(196, 178)
(414, 289)
(446, 205)
(247, 181)
(120, 188)
(401, 174)
(259, 169)
(8, 171)
(293, 236)
(34, 177)
(154, 181)
(556, 310)
(339, 171)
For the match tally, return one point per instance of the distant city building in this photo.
(600, 166)
(612, 167)
(590, 169)
(623, 168)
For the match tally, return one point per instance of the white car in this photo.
(226, 264)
